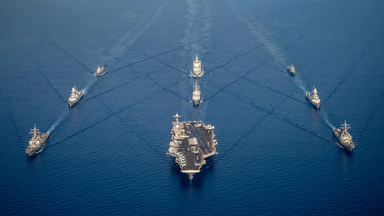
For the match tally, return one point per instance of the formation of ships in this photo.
(191, 141)
(344, 139)
(39, 140)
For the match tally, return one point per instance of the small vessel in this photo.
(343, 137)
(191, 143)
(75, 96)
(196, 95)
(196, 68)
(99, 71)
(291, 69)
(37, 143)
(313, 98)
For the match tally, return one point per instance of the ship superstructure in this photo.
(291, 69)
(99, 71)
(313, 98)
(343, 137)
(191, 143)
(37, 143)
(196, 95)
(75, 96)
(196, 68)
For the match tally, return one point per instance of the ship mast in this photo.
(35, 132)
(314, 91)
(177, 117)
(345, 127)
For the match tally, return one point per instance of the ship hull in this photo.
(344, 145)
(196, 103)
(196, 74)
(317, 105)
(41, 148)
(101, 73)
(72, 103)
(291, 71)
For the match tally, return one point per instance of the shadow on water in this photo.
(34, 159)
(346, 158)
(197, 182)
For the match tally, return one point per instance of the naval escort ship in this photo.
(191, 143)
(99, 71)
(291, 69)
(343, 137)
(37, 143)
(313, 98)
(196, 95)
(75, 96)
(196, 68)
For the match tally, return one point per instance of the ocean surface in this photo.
(276, 152)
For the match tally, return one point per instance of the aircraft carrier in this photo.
(192, 142)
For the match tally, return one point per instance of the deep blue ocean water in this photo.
(276, 152)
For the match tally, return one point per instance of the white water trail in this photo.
(273, 48)
(280, 60)
(64, 114)
(89, 85)
(325, 117)
(199, 23)
(131, 36)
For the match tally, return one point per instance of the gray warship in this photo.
(37, 143)
(313, 98)
(196, 95)
(99, 71)
(75, 96)
(191, 143)
(291, 69)
(196, 68)
(343, 137)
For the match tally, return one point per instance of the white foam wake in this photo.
(131, 36)
(64, 114)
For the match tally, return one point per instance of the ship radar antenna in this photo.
(177, 116)
(35, 132)
(345, 126)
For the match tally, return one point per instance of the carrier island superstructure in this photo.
(192, 142)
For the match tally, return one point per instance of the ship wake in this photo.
(64, 114)
(325, 118)
(130, 37)
(89, 85)
(261, 33)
